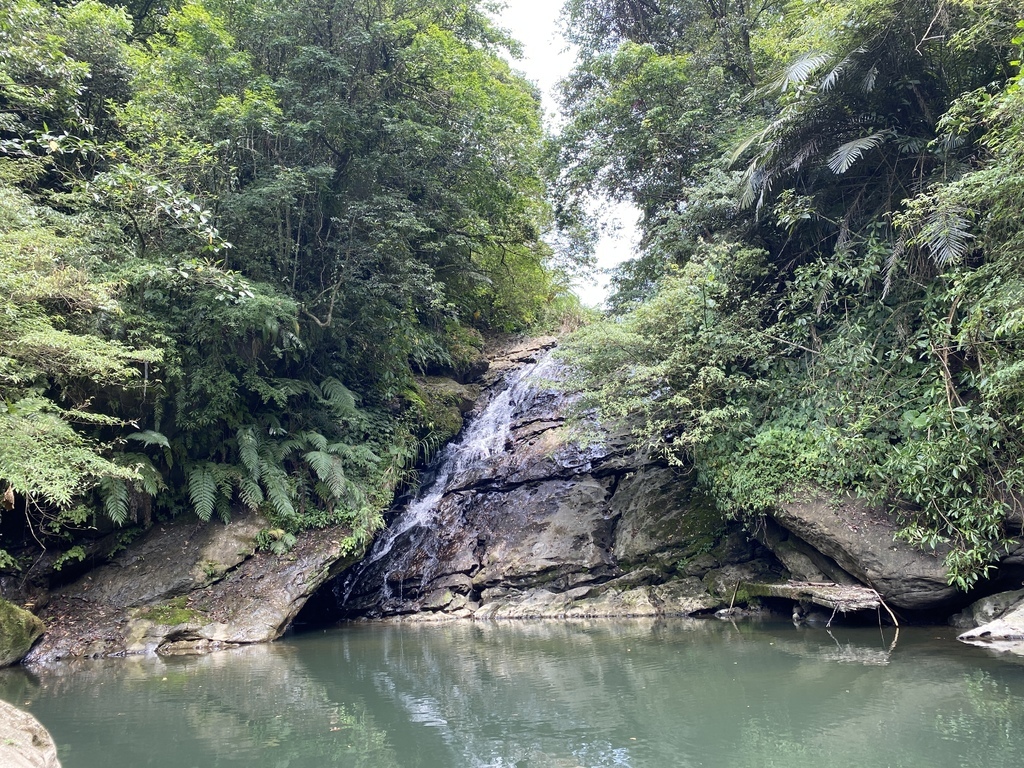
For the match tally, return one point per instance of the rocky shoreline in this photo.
(548, 529)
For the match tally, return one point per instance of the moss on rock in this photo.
(173, 613)
(441, 404)
(19, 629)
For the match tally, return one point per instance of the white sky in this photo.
(545, 61)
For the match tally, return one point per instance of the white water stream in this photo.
(482, 439)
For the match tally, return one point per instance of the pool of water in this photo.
(530, 694)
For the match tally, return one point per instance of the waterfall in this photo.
(474, 453)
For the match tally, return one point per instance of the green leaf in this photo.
(203, 490)
(149, 437)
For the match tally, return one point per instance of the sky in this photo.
(546, 60)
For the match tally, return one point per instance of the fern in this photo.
(330, 471)
(849, 153)
(149, 437)
(946, 234)
(278, 493)
(340, 397)
(203, 490)
(114, 492)
(249, 492)
(248, 442)
(312, 439)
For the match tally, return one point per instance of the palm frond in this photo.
(849, 153)
(832, 78)
(946, 233)
(800, 71)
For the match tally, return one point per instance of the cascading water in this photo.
(381, 577)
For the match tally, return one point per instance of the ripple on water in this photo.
(625, 693)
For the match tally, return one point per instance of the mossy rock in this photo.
(172, 613)
(441, 403)
(19, 629)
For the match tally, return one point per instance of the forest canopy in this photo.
(829, 293)
(234, 232)
(231, 234)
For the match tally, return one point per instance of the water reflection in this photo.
(537, 694)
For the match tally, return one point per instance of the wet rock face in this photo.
(187, 588)
(527, 523)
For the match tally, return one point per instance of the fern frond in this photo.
(313, 440)
(114, 492)
(149, 479)
(202, 490)
(359, 455)
(150, 437)
(340, 397)
(249, 492)
(331, 472)
(248, 441)
(278, 493)
(849, 153)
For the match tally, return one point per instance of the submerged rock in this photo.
(24, 742)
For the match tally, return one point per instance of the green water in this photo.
(623, 693)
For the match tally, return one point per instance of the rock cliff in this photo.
(538, 525)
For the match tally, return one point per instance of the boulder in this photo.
(1005, 632)
(19, 629)
(190, 588)
(860, 541)
(24, 742)
(986, 609)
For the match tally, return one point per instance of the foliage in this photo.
(230, 233)
(873, 344)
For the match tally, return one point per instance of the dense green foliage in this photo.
(830, 293)
(231, 232)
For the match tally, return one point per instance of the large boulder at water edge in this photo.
(19, 629)
(186, 588)
(1001, 620)
(848, 538)
(24, 742)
